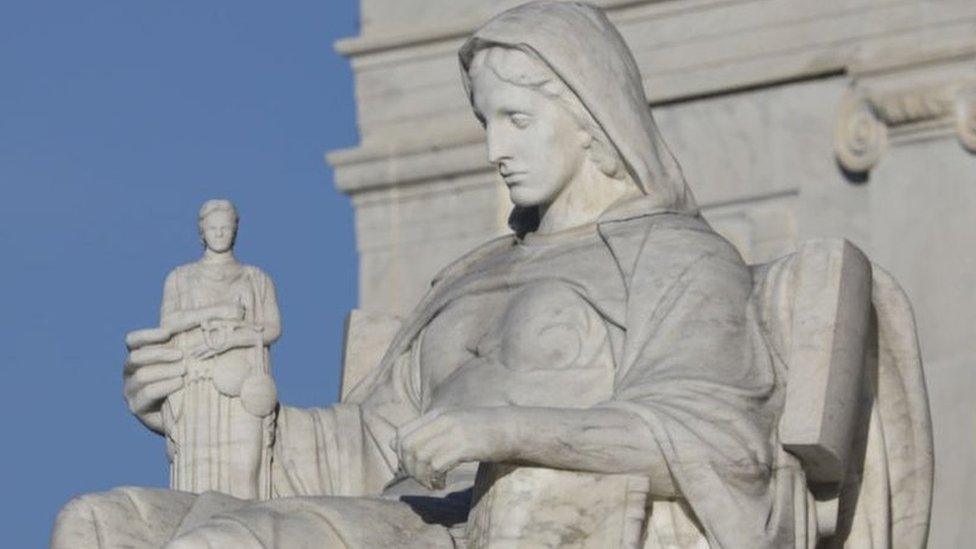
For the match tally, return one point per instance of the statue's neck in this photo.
(211, 257)
(583, 200)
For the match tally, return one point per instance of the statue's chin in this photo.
(220, 249)
(524, 197)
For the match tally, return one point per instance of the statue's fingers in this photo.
(153, 420)
(420, 450)
(152, 355)
(421, 470)
(429, 436)
(407, 462)
(445, 460)
(148, 398)
(428, 475)
(151, 336)
(156, 372)
(437, 480)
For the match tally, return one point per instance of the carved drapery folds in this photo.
(898, 101)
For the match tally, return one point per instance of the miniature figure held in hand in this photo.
(221, 316)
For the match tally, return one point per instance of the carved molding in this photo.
(868, 118)
(860, 136)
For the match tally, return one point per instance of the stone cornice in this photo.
(402, 147)
(446, 30)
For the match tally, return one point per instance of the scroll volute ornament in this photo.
(860, 137)
(868, 118)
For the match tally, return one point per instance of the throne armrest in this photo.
(816, 307)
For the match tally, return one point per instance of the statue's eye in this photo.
(520, 120)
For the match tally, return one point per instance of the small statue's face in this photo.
(218, 230)
(536, 145)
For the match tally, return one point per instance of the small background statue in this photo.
(222, 316)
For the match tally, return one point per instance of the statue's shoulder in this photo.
(690, 233)
(670, 239)
(479, 253)
(180, 271)
(257, 275)
(661, 224)
(253, 270)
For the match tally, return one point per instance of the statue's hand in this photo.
(204, 351)
(433, 444)
(152, 372)
(230, 311)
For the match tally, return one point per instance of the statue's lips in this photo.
(514, 178)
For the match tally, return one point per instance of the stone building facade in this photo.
(792, 119)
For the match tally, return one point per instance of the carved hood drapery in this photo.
(588, 54)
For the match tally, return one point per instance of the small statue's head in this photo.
(217, 223)
(540, 136)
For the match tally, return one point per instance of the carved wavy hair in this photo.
(521, 68)
(216, 205)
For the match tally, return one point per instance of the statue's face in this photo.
(536, 145)
(218, 230)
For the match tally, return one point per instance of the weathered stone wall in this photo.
(758, 99)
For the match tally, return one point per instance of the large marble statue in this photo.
(611, 374)
(221, 316)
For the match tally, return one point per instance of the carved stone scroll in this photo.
(901, 99)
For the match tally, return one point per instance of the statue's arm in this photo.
(269, 324)
(177, 320)
(345, 449)
(271, 317)
(600, 440)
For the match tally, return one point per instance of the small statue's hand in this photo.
(151, 373)
(433, 444)
(204, 351)
(231, 311)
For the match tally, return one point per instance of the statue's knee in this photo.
(133, 517)
(220, 532)
(75, 524)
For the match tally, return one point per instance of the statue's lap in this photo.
(144, 517)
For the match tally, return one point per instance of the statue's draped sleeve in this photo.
(344, 450)
(266, 310)
(171, 296)
(696, 370)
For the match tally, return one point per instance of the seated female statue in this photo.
(608, 335)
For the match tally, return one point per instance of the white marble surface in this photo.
(610, 369)
(753, 91)
(215, 405)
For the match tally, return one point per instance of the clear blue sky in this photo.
(117, 119)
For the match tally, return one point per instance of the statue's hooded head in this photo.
(571, 53)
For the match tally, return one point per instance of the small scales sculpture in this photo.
(222, 316)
